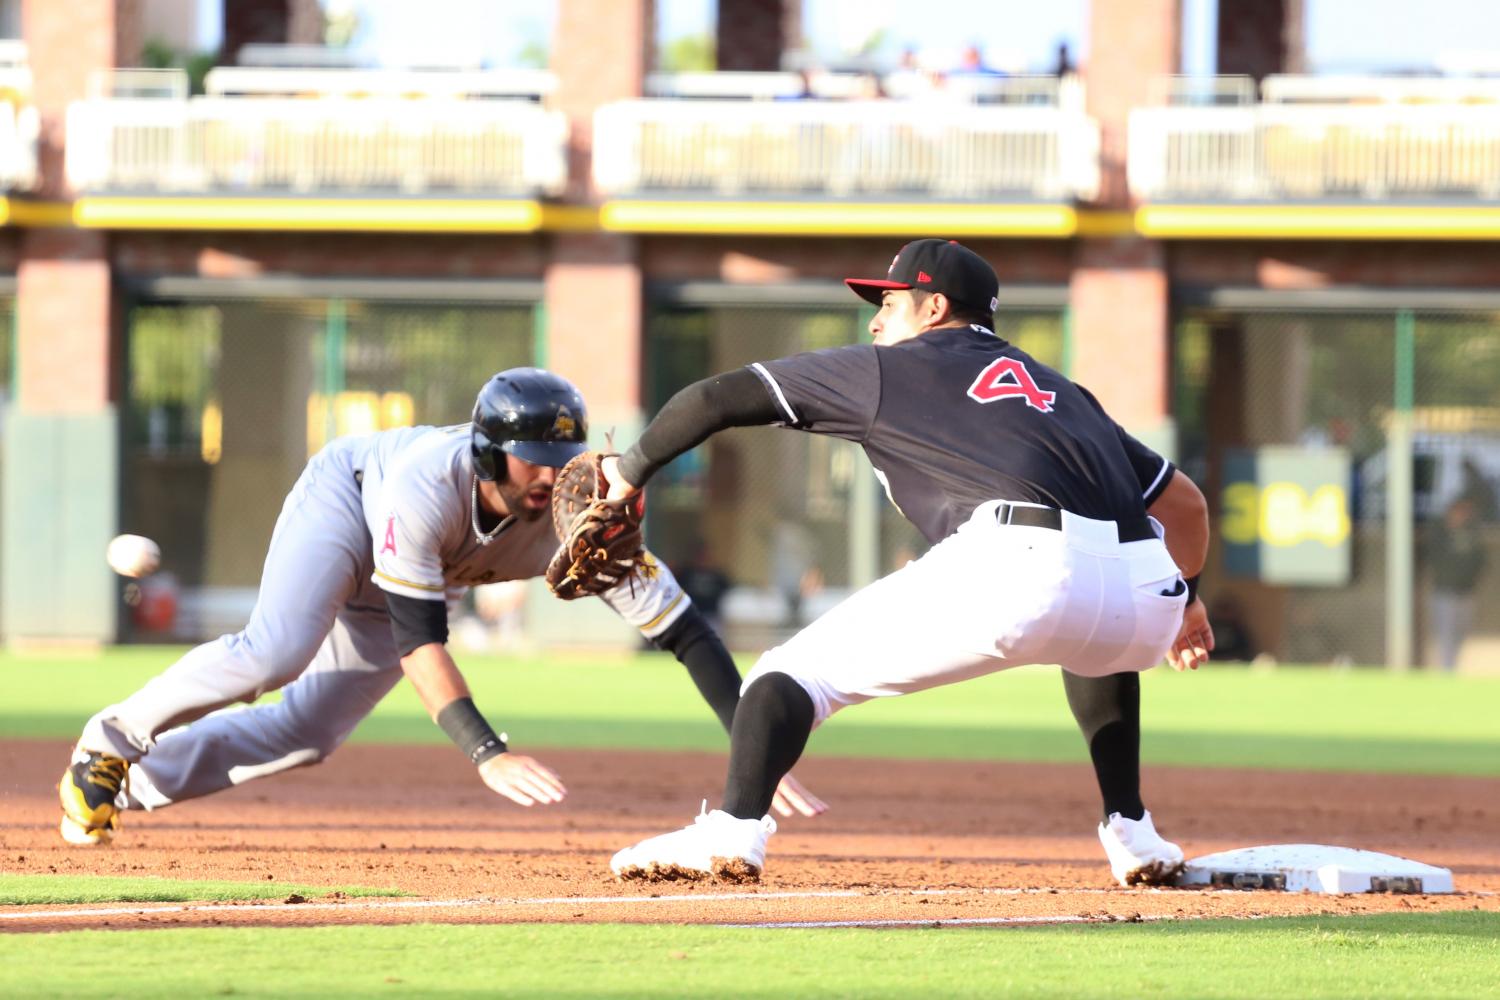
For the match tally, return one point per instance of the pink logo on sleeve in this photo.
(390, 536)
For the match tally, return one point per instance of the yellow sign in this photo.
(1284, 514)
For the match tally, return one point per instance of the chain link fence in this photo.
(1334, 448)
(226, 400)
(768, 529)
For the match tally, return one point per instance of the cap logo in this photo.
(892, 268)
(924, 277)
(564, 427)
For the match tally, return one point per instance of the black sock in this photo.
(771, 725)
(1108, 710)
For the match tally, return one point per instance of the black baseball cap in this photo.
(945, 266)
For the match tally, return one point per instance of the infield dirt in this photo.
(906, 840)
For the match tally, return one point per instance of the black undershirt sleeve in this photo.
(732, 399)
(698, 647)
(416, 622)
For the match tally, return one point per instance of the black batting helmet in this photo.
(530, 413)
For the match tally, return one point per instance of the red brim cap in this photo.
(869, 289)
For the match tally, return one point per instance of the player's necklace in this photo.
(480, 536)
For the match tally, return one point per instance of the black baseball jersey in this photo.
(957, 416)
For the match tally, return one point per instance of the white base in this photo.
(1314, 868)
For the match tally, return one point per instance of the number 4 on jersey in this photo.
(1007, 378)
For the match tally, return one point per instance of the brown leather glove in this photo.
(601, 539)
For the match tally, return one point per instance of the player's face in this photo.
(527, 491)
(898, 318)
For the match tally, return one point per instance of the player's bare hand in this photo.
(524, 780)
(793, 800)
(1195, 640)
(619, 489)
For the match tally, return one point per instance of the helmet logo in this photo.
(563, 428)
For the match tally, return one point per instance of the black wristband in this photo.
(1192, 586)
(467, 728)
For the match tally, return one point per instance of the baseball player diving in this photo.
(1057, 538)
(380, 535)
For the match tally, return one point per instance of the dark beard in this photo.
(514, 498)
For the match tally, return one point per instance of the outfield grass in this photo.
(1406, 955)
(1294, 718)
(22, 890)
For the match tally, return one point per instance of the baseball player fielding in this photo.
(1056, 537)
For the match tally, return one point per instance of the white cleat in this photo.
(1137, 853)
(715, 845)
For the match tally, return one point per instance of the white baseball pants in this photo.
(989, 597)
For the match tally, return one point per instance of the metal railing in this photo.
(259, 81)
(974, 88)
(1295, 150)
(1379, 89)
(844, 148)
(329, 145)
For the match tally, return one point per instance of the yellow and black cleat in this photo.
(88, 792)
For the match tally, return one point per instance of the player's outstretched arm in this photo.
(1184, 515)
(444, 693)
(731, 399)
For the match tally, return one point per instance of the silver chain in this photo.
(482, 537)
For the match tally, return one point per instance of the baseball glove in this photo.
(601, 539)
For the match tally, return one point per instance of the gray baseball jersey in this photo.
(417, 494)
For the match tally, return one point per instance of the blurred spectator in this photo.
(705, 584)
(1455, 555)
(972, 63)
(1479, 490)
(868, 88)
(804, 90)
(809, 587)
(499, 619)
(1064, 65)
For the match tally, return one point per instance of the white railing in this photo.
(19, 127)
(1379, 89)
(1316, 151)
(900, 85)
(876, 149)
(332, 145)
(256, 81)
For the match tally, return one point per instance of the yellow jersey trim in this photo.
(408, 583)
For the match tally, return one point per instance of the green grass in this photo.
(23, 890)
(1296, 718)
(1408, 955)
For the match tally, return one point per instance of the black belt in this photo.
(1129, 529)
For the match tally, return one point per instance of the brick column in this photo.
(753, 34)
(1120, 295)
(593, 293)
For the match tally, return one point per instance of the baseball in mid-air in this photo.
(132, 555)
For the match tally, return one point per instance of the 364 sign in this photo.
(1285, 515)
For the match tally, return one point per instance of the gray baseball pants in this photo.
(319, 632)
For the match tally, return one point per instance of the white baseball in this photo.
(132, 555)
